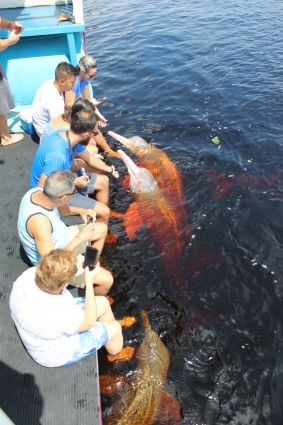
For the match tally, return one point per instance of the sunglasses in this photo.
(90, 75)
(70, 194)
(95, 133)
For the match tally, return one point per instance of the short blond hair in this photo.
(55, 270)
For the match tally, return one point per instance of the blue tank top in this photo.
(60, 233)
(79, 86)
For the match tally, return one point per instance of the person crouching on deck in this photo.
(87, 68)
(41, 229)
(56, 328)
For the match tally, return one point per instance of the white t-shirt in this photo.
(46, 323)
(47, 104)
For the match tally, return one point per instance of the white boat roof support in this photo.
(77, 6)
(29, 3)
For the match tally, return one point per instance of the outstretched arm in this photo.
(14, 35)
(97, 163)
(90, 310)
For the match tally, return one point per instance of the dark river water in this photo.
(179, 73)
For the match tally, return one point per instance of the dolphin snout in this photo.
(118, 137)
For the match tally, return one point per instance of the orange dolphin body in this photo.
(153, 210)
(166, 175)
(140, 400)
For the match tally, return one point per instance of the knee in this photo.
(102, 182)
(101, 229)
(103, 211)
(109, 280)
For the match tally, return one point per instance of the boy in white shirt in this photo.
(48, 102)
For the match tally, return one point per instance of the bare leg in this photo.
(102, 212)
(102, 143)
(6, 137)
(99, 236)
(102, 187)
(91, 147)
(103, 282)
(104, 311)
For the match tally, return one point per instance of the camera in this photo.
(82, 172)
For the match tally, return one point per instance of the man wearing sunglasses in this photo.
(41, 229)
(62, 150)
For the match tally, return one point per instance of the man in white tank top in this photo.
(41, 229)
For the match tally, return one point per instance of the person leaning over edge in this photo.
(87, 69)
(6, 101)
(41, 229)
(58, 151)
(62, 122)
(56, 328)
(48, 101)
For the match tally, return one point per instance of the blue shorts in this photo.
(90, 340)
(81, 199)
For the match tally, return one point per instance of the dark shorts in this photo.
(81, 199)
(90, 340)
(6, 101)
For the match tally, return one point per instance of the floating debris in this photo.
(216, 140)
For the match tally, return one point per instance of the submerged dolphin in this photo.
(163, 170)
(141, 400)
(153, 210)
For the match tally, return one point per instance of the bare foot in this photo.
(14, 138)
(128, 321)
(125, 354)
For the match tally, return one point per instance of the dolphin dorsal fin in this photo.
(145, 320)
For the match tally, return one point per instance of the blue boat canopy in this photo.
(45, 41)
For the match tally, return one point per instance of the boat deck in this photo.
(31, 394)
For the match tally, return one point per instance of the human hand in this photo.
(98, 156)
(114, 172)
(13, 37)
(87, 233)
(102, 122)
(94, 101)
(18, 27)
(113, 154)
(81, 182)
(100, 100)
(90, 275)
(88, 215)
(15, 26)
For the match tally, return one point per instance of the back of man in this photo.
(28, 208)
(46, 105)
(53, 154)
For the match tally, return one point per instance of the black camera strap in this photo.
(69, 143)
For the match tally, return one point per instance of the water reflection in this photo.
(178, 87)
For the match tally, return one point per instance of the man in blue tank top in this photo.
(58, 152)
